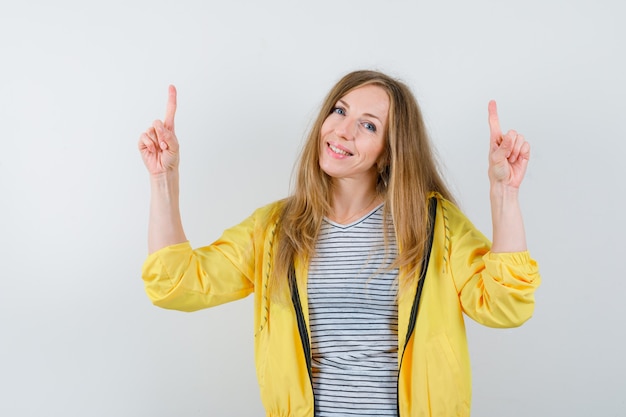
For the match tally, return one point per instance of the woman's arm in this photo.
(160, 153)
(508, 159)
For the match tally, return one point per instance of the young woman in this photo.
(361, 276)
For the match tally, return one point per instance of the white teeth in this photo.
(337, 150)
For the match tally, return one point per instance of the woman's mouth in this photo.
(338, 151)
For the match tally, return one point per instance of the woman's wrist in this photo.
(506, 216)
(501, 191)
(165, 177)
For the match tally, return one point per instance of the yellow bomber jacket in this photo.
(434, 379)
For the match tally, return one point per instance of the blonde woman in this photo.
(361, 276)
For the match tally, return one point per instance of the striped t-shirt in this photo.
(354, 320)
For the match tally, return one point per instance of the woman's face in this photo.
(353, 134)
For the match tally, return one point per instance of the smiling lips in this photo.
(339, 151)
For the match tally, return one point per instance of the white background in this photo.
(79, 82)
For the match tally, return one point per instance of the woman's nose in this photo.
(346, 128)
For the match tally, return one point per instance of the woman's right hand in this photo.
(158, 144)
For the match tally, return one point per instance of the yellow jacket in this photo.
(434, 379)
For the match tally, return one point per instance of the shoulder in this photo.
(454, 220)
(445, 205)
(269, 213)
(264, 219)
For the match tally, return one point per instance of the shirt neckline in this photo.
(345, 226)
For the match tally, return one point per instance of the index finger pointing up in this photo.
(494, 123)
(170, 110)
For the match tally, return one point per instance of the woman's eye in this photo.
(369, 126)
(339, 110)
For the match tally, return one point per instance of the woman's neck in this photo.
(349, 203)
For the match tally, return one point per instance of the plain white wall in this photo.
(79, 82)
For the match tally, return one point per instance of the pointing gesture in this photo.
(508, 154)
(170, 109)
(158, 144)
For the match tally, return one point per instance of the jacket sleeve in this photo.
(180, 278)
(495, 289)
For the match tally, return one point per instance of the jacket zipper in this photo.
(302, 329)
(432, 211)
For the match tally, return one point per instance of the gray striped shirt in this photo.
(354, 320)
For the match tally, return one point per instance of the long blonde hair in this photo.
(408, 172)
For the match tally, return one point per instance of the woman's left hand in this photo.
(508, 154)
